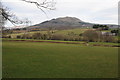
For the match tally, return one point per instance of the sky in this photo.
(93, 11)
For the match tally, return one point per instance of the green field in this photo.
(63, 32)
(55, 60)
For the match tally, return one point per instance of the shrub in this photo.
(25, 36)
(58, 37)
(108, 38)
(18, 36)
(37, 36)
(91, 35)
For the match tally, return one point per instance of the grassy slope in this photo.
(51, 60)
(76, 31)
(64, 32)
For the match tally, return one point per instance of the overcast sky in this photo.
(94, 11)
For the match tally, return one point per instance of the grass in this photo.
(75, 31)
(104, 43)
(91, 43)
(43, 40)
(52, 60)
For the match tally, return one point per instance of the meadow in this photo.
(58, 60)
(63, 32)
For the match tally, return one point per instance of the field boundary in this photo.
(83, 43)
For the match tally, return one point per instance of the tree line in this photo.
(102, 27)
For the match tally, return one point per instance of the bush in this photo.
(18, 36)
(44, 36)
(91, 35)
(26, 36)
(108, 38)
(41, 36)
(5, 36)
(37, 36)
(58, 37)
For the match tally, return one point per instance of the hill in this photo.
(63, 23)
(66, 23)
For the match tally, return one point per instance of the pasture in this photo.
(58, 60)
(63, 32)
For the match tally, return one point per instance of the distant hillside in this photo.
(65, 23)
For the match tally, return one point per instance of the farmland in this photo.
(63, 32)
(59, 47)
(53, 60)
(77, 34)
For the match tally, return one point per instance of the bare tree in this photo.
(46, 4)
(6, 14)
(3, 15)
